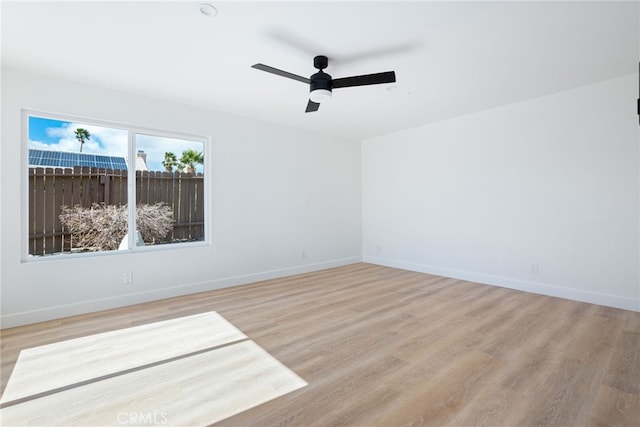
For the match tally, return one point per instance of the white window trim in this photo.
(131, 183)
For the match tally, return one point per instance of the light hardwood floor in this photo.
(382, 346)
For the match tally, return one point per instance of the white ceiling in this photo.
(450, 58)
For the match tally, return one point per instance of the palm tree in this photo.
(190, 158)
(82, 135)
(170, 161)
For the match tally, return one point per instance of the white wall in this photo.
(276, 192)
(553, 181)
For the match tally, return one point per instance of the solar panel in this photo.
(119, 163)
(61, 159)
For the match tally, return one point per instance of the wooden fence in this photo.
(50, 189)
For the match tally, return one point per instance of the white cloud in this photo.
(103, 140)
(39, 145)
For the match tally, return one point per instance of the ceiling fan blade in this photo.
(312, 106)
(366, 79)
(286, 74)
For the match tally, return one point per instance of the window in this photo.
(95, 187)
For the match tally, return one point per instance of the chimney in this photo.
(142, 155)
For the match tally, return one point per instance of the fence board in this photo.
(199, 208)
(184, 206)
(119, 187)
(143, 184)
(76, 194)
(32, 211)
(39, 211)
(49, 199)
(97, 185)
(184, 219)
(67, 200)
(175, 199)
(154, 196)
(58, 201)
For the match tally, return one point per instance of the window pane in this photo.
(73, 205)
(169, 189)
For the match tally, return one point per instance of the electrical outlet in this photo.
(534, 268)
(127, 278)
(304, 255)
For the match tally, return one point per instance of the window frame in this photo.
(132, 131)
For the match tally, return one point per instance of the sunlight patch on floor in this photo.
(201, 369)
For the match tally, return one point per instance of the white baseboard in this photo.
(51, 313)
(520, 285)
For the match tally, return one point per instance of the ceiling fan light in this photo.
(320, 95)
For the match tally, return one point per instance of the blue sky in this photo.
(38, 128)
(48, 134)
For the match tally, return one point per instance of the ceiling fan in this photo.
(321, 83)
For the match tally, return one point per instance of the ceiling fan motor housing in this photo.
(320, 80)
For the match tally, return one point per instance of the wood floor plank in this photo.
(380, 346)
(613, 407)
(448, 391)
(632, 322)
(624, 373)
